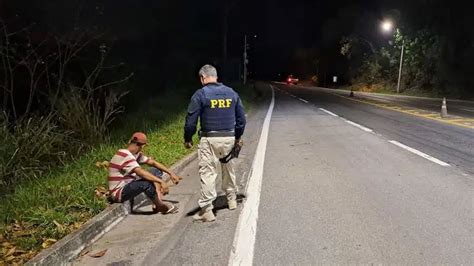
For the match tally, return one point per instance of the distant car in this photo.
(292, 80)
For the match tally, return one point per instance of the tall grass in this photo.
(88, 115)
(29, 148)
(32, 145)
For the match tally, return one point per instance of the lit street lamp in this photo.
(387, 26)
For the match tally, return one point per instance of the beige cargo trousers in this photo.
(210, 150)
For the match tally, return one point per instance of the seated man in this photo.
(127, 179)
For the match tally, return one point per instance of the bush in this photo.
(29, 148)
(86, 115)
(369, 73)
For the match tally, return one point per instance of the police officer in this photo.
(222, 120)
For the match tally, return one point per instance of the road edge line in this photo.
(242, 251)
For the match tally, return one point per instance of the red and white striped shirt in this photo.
(121, 171)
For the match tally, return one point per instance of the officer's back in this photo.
(219, 108)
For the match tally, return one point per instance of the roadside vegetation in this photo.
(377, 70)
(438, 54)
(431, 66)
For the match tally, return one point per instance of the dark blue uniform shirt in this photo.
(218, 107)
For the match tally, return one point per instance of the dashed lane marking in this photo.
(359, 126)
(419, 153)
(329, 112)
(303, 100)
(453, 120)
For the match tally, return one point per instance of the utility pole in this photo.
(387, 27)
(245, 59)
(400, 69)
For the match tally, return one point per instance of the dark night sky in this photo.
(284, 26)
(178, 29)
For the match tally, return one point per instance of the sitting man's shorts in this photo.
(134, 188)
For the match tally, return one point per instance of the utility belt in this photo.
(234, 153)
(211, 134)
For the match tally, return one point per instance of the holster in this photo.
(234, 153)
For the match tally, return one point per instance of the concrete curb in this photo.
(71, 245)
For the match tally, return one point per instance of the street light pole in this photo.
(245, 59)
(401, 65)
(387, 26)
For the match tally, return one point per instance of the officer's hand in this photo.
(188, 145)
(239, 142)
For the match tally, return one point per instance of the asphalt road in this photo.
(455, 107)
(449, 143)
(333, 190)
(333, 193)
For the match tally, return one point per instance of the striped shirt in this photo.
(121, 171)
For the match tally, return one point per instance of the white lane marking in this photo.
(293, 96)
(329, 112)
(359, 126)
(348, 121)
(244, 239)
(303, 100)
(419, 153)
(465, 109)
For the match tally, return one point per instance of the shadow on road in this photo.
(219, 204)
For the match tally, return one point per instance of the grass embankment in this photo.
(39, 213)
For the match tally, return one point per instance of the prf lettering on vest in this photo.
(221, 103)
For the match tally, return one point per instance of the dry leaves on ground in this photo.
(48, 242)
(75, 225)
(20, 229)
(84, 252)
(101, 192)
(17, 226)
(11, 255)
(104, 165)
(10, 252)
(7, 244)
(61, 228)
(99, 254)
(14, 251)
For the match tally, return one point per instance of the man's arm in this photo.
(240, 120)
(194, 109)
(175, 178)
(150, 177)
